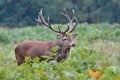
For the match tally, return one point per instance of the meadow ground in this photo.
(96, 56)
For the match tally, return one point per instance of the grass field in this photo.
(96, 56)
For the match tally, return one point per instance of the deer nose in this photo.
(73, 44)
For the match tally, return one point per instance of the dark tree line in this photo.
(17, 13)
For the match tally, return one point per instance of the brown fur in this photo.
(35, 49)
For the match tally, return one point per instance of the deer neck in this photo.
(61, 44)
(62, 47)
(61, 51)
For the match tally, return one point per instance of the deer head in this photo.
(63, 36)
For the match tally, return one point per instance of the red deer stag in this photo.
(35, 49)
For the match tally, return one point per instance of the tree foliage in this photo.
(23, 12)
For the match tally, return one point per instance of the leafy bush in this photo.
(96, 55)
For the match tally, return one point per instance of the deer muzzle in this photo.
(72, 44)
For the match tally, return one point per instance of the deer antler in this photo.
(71, 20)
(41, 20)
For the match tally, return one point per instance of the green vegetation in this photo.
(19, 13)
(96, 56)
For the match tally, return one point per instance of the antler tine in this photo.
(70, 27)
(53, 29)
(66, 30)
(76, 23)
(66, 14)
(73, 19)
(38, 17)
(68, 17)
(41, 20)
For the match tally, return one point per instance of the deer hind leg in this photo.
(20, 59)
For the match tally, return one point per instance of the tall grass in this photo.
(95, 57)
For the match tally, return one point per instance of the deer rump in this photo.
(35, 49)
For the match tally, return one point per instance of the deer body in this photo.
(35, 49)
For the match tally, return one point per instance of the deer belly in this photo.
(33, 53)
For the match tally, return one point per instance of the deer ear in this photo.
(73, 36)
